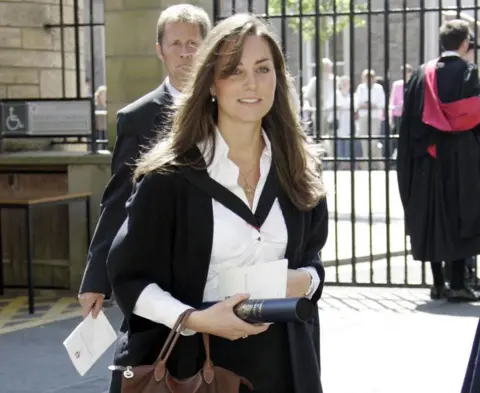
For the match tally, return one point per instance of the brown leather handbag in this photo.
(155, 378)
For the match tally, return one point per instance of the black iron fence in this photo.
(78, 114)
(336, 46)
(81, 29)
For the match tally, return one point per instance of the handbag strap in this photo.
(173, 336)
(208, 373)
(160, 363)
(206, 344)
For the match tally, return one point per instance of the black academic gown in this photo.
(471, 382)
(440, 194)
(167, 240)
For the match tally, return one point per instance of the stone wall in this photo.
(31, 61)
(30, 55)
(395, 41)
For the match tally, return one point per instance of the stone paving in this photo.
(374, 340)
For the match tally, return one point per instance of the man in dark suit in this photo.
(437, 163)
(180, 30)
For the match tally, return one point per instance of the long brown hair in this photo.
(297, 161)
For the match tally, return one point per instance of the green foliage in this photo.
(327, 27)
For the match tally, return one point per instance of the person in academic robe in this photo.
(471, 382)
(180, 30)
(438, 163)
(236, 183)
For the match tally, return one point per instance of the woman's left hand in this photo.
(298, 282)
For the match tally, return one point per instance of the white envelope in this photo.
(90, 339)
(261, 281)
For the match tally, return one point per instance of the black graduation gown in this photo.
(167, 240)
(440, 194)
(471, 382)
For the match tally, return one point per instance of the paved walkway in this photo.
(373, 341)
(358, 224)
(50, 306)
(394, 341)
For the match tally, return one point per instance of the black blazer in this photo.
(167, 240)
(137, 125)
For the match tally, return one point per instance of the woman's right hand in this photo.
(220, 320)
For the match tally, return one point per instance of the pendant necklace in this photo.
(247, 187)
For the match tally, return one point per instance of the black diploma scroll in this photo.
(272, 310)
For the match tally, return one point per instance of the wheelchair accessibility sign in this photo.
(46, 117)
(15, 118)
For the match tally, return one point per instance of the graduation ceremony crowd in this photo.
(213, 169)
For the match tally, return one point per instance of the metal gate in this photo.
(330, 44)
(79, 30)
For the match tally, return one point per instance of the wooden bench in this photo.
(29, 202)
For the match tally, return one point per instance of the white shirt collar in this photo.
(450, 53)
(222, 149)
(176, 95)
(221, 168)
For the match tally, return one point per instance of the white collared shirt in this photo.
(176, 94)
(450, 53)
(235, 242)
(377, 98)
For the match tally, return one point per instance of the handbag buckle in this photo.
(128, 373)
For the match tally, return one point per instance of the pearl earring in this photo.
(213, 98)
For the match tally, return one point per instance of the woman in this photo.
(101, 113)
(234, 184)
(370, 104)
(379, 80)
(342, 121)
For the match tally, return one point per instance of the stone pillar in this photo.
(132, 66)
(31, 55)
